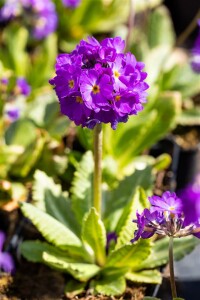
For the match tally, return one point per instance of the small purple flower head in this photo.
(71, 3)
(195, 59)
(22, 87)
(109, 83)
(6, 260)
(166, 216)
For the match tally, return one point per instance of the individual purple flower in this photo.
(166, 216)
(22, 87)
(169, 202)
(111, 238)
(12, 113)
(71, 3)
(4, 81)
(6, 260)
(111, 84)
(195, 53)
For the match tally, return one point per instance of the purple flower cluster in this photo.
(6, 260)
(10, 93)
(98, 83)
(71, 3)
(195, 60)
(40, 15)
(165, 217)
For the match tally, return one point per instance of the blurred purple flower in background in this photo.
(40, 15)
(195, 60)
(190, 196)
(71, 3)
(11, 9)
(12, 113)
(166, 216)
(104, 84)
(6, 260)
(22, 86)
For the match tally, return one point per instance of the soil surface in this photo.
(38, 282)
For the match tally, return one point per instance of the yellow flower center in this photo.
(79, 99)
(116, 74)
(71, 84)
(171, 208)
(117, 98)
(96, 89)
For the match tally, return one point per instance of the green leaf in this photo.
(94, 235)
(49, 197)
(164, 115)
(34, 250)
(159, 255)
(190, 117)
(28, 159)
(117, 199)
(16, 40)
(22, 132)
(74, 288)
(43, 109)
(82, 187)
(181, 78)
(125, 227)
(129, 256)
(41, 69)
(80, 271)
(141, 5)
(110, 286)
(146, 276)
(53, 231)
(159, 22)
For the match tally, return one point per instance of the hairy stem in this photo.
(171, 268)
(97, 166)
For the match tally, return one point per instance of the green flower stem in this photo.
(171, 268)
(97, 166)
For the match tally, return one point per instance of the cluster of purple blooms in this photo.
(6, 260)
(195, 59)
(21, 87)
(98, 83)
(166, 216)
(39, 14)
